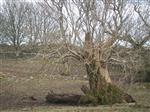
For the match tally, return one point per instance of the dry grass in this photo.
(21, 79)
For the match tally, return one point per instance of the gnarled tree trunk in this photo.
(95, 66)
(101, 86)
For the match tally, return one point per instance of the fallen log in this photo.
(63, 98)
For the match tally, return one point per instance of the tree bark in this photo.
(101, 86)
(95, 66)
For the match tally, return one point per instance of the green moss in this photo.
(88, 99)
(108, 94)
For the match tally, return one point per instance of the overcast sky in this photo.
(1, 1)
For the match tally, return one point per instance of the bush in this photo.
(147, 77)
(108, 94)
(88, 99)
(142, 76)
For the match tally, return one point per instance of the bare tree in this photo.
(14, 15)
(139, 39)
(40, 27)
(103, 24)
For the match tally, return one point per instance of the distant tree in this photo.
(14, 19)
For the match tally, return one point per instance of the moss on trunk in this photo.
(102, 90)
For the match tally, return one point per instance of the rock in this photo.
(128, 98)
(33, 98)
(85, 77)
(25, 109)
(31, 77)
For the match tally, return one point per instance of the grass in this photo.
(122, 108)
(19, 80)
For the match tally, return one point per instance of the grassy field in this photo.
(82, 109)
(20, 80)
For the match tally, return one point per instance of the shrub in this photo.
(108, 94)
(88, 99)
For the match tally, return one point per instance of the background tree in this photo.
(14, 16)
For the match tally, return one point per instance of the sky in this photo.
(131, 1)
(1, 1)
